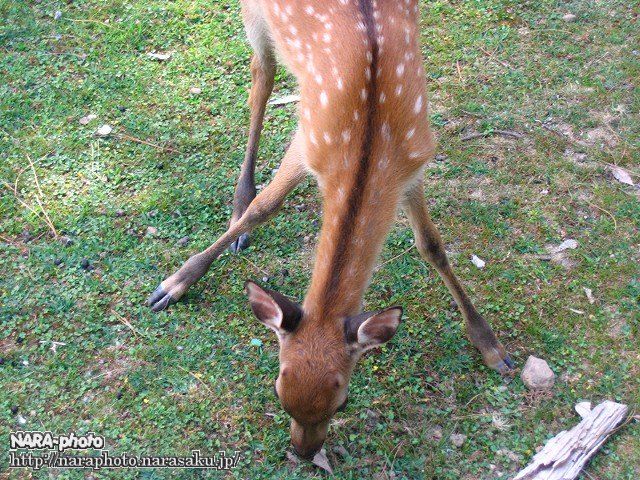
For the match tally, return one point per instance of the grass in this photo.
(192, 378)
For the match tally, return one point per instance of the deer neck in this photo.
(350, 240)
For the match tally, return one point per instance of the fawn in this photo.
(364, 135)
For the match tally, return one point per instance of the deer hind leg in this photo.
(263, 67)
(429, 243)
(263, 206)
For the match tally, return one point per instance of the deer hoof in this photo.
(240, 243)
(159, 300)
(501, 363)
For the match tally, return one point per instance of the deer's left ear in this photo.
(273, 309)
(371, 329)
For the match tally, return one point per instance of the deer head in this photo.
(317, 357)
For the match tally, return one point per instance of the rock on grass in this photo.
(537, 375)
(458, 439)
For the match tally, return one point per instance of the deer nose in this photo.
(307, 454)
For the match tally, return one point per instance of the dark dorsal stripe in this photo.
(356, 194)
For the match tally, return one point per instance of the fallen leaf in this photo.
(567, 244)
(104, 130)
(87, 119)
(589, 293)
(621, 175)
(477, 261)
(320, 460)
(284, 100)
(293, 458)
(160, 56)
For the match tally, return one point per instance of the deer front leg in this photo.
(268, 202)
(263, 67)
(429, 243)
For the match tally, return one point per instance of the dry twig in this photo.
(124, 136)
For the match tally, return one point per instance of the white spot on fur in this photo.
(383, 97)
(340, 83)
(400, 70)
(386, 131)
(417, 108)
(346, 136)
(410, 133)
(327, 138)
(363, 94)
(399, 90)
(324, 99)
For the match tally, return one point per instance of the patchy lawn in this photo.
(196, 377)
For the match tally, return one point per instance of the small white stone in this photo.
(104, 131)
(195, 90)
(458, 439)
(87, 119)
(569, 17)
(477, 261)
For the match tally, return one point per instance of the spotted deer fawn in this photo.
(364, 135)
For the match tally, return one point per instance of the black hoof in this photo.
(509, 362)
(505, 366)
(241, 243)
(160, 300)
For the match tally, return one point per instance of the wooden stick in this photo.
(566, 454)
(145, 142)
(504, 133)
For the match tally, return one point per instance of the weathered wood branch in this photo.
(566, 454)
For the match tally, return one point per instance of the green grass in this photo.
(191, 378)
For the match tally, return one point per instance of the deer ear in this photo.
(273, 309)
(370, 329)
